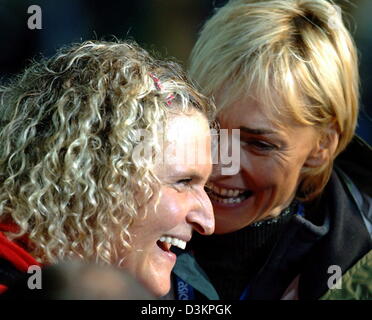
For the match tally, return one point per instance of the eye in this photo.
(263, 145)
(260, 145)
(184, 182)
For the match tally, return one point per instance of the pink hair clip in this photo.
(170, 98)
(159, 88)
(156, 81)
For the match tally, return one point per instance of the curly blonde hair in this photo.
(67, 134)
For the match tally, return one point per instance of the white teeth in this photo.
(231, 200)
(182, 244)
(224, 192)
(227, 200)
(174, 242)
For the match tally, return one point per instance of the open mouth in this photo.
(227, 196)
(166, 242)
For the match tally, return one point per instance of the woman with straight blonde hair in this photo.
(295, 221)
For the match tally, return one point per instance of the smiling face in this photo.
(183, 204)
(271, 159)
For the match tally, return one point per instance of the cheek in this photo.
(261, 172)
(171, 210)
(271, 172)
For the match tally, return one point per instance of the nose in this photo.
(201, 216)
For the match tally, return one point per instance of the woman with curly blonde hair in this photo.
(76, 181)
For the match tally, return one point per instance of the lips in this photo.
(227, 196)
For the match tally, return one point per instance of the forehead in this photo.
(186, 127)
(187, 145)
(272, 111)
(258, 118)
(248, 111)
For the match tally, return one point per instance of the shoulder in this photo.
(9, 274)
(189, 276)
(356, 161)
(14, 259)
(354, 170)
(344, 211)
(355, 284)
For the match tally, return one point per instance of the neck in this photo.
(231, 260)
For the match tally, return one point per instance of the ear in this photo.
(324, 149)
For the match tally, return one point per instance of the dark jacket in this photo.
(335, 233)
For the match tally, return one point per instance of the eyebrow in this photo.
(257, 131)
(192, 174)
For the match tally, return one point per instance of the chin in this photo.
(158, 283)
(159, 287)
(226, 224)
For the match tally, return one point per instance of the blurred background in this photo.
(169, 27)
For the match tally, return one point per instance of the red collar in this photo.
(12, 251)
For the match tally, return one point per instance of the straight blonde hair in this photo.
(297, 50)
